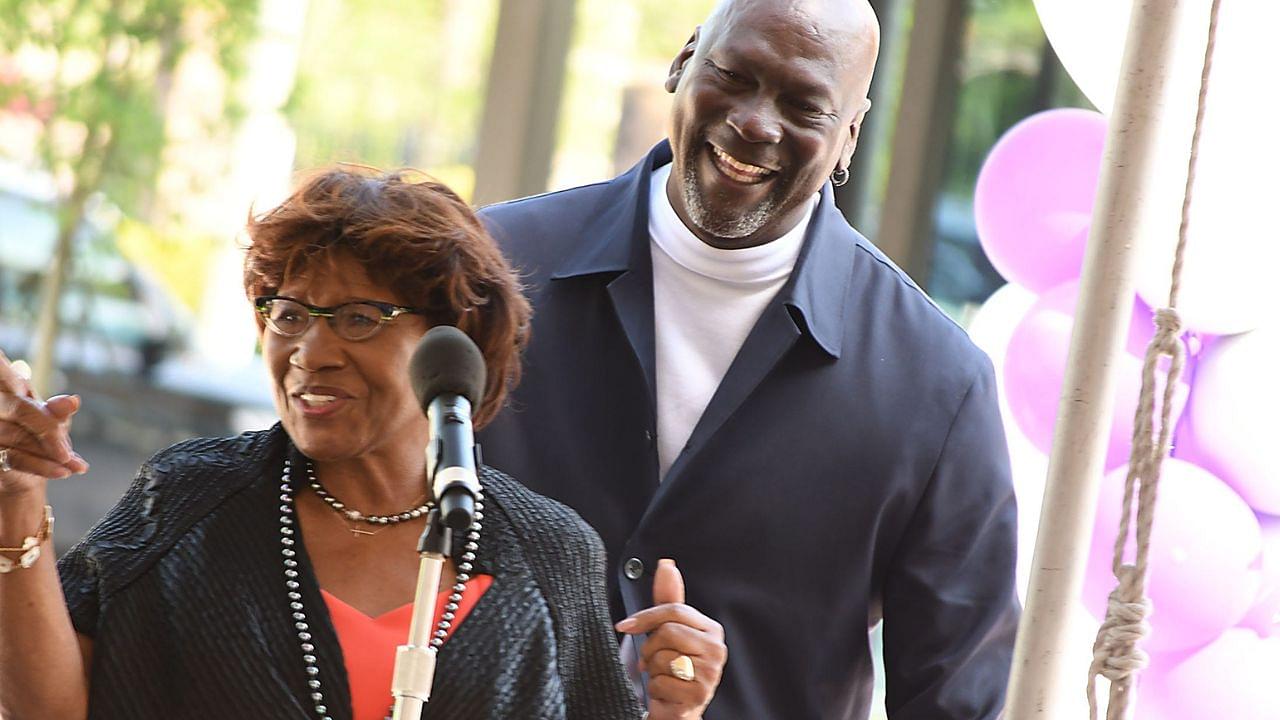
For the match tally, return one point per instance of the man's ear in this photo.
(681, 60)
(855, 129)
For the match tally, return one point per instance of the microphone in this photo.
(447, 373)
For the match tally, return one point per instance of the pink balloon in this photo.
(1204, 558)
(1235, 677)
(1034, 197)
(1230, 426)
(1036, 363)
(1264, 616)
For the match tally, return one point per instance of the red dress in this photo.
(369, 644)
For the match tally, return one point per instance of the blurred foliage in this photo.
(95, 74)
(617, 45)
(402, 82)
(1009, 73)
(1002, 28)
(179, 258)
(666, 26)
(393, 83)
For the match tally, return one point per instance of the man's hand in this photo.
(681, 640)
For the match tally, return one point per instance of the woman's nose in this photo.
(317, 348)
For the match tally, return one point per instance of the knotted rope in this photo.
(1116, 652)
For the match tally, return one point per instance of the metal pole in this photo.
(1042, 682)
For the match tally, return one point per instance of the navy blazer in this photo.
(852, 463)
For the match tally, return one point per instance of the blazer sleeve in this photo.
(950, 608)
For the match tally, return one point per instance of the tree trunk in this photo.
(44, 352)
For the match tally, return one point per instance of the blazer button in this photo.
(633, 568)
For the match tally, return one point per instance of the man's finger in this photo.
(668, 584)
(681, 639)
(650, 618)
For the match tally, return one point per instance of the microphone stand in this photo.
(415, 666)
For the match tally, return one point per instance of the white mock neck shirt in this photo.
(705, 302)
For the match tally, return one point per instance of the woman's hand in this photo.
(34, 435)
(682, 642)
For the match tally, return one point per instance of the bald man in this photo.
(724, 372)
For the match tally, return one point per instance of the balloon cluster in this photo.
(1214, 577)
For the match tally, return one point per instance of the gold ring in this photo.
(682, 668)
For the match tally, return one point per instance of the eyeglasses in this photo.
(350, 321)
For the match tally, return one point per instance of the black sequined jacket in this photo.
(182, 588)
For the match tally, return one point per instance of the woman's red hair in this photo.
(413, 235)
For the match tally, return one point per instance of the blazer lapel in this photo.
(618, 245)
(632, 297)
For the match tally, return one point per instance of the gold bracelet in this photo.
(30, 546)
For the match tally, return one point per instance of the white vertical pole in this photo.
(1042, 682)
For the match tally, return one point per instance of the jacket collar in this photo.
(618, 233)
(617, 241)
(818, 288)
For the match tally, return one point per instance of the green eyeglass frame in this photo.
(356, 320)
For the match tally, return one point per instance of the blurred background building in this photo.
(135, 141)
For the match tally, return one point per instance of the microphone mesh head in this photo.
(447, 361)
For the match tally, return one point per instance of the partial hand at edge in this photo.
(35, 433)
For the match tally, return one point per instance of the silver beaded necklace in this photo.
(294, 588)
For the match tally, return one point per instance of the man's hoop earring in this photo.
(840, 176)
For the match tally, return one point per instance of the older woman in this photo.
(271, 575)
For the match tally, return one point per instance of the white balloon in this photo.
(993, 324)
(1088, 36)
(1233, 242)
(990, 329)
(1233, 677)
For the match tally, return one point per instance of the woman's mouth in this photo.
(319, 403)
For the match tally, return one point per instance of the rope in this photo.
(1116, 652)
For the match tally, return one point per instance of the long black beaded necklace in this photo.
(293, 587)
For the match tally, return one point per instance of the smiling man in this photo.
(724, 372)
(769, 99)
